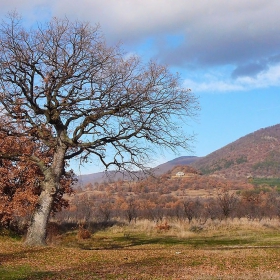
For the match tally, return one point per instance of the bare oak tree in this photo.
(67, 90)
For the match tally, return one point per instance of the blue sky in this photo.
(228, 53)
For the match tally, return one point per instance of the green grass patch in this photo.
(4, 232)
(272, 182)
(22, 273)
(214, 238)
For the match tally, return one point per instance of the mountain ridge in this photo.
(256, 154)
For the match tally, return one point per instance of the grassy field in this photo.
(263, 182)
(215, 250)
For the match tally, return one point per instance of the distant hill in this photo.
(254, 155)
(165, 167)
(114, 176)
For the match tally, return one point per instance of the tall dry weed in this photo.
(184, 229)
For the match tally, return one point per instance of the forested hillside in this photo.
(254, 155)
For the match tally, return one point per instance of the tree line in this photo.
(223, 203)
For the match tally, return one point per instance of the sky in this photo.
(227, 52)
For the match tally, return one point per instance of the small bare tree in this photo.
(191, 208)
(67, 90)
(131, 209)
(227, 201)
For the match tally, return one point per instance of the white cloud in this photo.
(217, 83)
(265, 79)
(212, 86)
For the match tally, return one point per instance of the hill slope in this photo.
(256, 154)
(165, 167)
(114, 176)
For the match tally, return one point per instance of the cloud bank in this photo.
(201, 34)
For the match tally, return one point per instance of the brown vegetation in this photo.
(166, 196)
(83, 233)
(21, 179)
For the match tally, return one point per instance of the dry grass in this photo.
(226, 250)
(209, 228)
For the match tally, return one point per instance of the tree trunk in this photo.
(36, 234)
(37, 231)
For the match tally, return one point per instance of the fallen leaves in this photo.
(151, 261)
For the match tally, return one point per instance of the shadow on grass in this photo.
(65, 227)
(123, 242)
(23, 273)
(194, 242)
(14, 256)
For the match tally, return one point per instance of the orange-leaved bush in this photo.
(20, 179)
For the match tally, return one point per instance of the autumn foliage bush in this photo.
(21, 179)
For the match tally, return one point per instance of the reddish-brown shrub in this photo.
(163, 227)
(83, 233)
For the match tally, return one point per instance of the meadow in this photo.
(173, 249)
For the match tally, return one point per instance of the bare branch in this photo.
(63, 76)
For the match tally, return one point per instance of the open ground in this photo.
(232, 249)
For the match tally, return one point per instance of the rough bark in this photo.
(36, 235)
